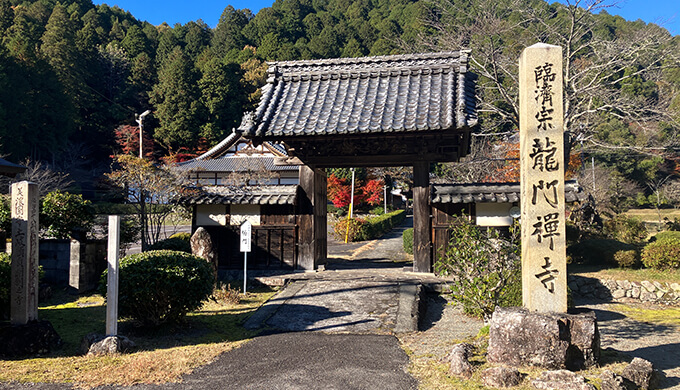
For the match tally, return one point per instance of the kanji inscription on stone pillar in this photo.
(544, 265)
(24, 284)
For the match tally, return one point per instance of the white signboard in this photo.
(246, 230)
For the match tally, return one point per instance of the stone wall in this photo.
(54, 257)
(624, 290)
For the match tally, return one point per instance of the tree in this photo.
(176, 98)
(604, 66)
(127, 138)
(221, 95)
(41, 174)
(66, 215)
(150, 188)
(229, 31)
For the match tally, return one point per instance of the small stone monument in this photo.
(26, 335)
(24, 285)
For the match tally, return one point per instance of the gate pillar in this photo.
(312, 242)
(422, 231)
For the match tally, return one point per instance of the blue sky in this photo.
(665, 12)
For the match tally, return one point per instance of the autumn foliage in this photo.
(340, 191)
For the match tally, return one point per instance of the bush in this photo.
(5, 282)
(485, 268)
(408, 241)
(626, 229)
(665, 236)
(173, 244)
(355, 233)
(6, 214)
(662, 254)
(377, 210)
(66, 215)
(627, 259)
(597, 251)
(162, 286)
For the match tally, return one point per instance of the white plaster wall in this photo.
(493, 214)
(245, 212)
(211, 215)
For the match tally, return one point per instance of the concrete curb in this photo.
(257, 320)
(408, 312)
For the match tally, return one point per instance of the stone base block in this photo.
(34, 338)
(518, 337)
(97, 345)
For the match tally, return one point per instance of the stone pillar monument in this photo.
(544, 266)
(24, 284)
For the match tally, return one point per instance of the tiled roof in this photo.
(235, 164)
(10, 169)
(493, 193)
(279, 194)
(386, 94)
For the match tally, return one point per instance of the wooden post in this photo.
(422, 240)
(544, 265)
(312, 218)
(25, 246)
(112, 276)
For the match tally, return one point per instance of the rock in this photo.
(617, 294)
(635, 292)
(500, 377)
(458, 359)
(660, 286)
(96, 344)
(648, 286)
(647, 296)
(35, 337)
(675, 287)
(202, 245)
(640, 372)
(518, 337)
(611, 381)
(561, 380)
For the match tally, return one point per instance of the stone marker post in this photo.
(112, 276)
(544, 266)
(24, 284)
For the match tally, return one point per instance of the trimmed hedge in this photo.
(162, 286)
(172, 244)
(408, 241)
(370, 228)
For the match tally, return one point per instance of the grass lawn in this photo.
(633, 275)
(651, 215)
(163, 354)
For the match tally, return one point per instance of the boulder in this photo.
(518, 337)
(97, 344)
(33, 338)
(640, 372)
(501, 377)
(458, 360)
(561, 380)
(612, 381)
(202, 245)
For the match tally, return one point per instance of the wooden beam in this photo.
(422, 240)
(312, 218)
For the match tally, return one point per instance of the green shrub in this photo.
(627, 259)
(597, 251)
(408, 240)
(66, 215)
(161, 286)
(5, 281)
(662, 254)
(6, 214)
(172, 244)
(368, 229)
(626, 229)
(666, 236)
(380, 210)
(182, 236)
(485, 268)
(355, 232)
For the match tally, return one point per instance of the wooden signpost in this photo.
(246, 231)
